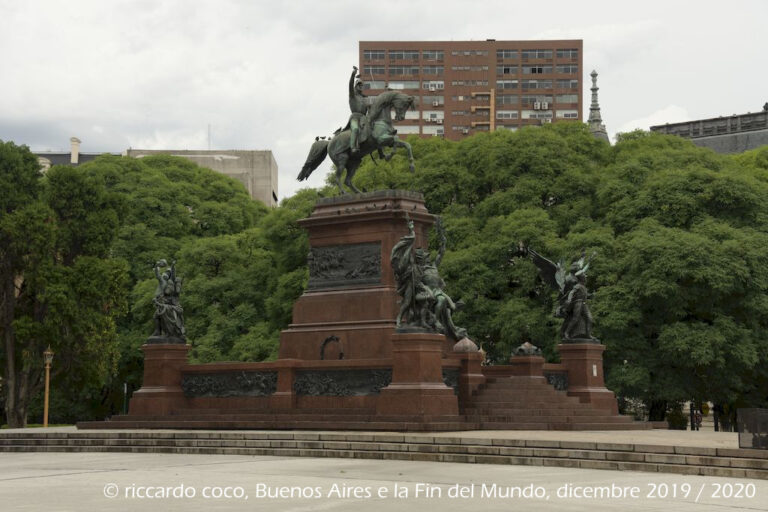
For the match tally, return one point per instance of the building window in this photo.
(403, 84)
(537, 54)
(469, 53)
(432, 55)
(432, 129)
(506, 114)
(403, 70)
(506, 99)
(537, 84)
(566, 98)
(434, 101)
(433, 85)
(506, 127)
(469, 68)
(403, 55)
(460, 128)
(530, 100)
(571, 53)
(506, 54)
(460, 83)
(404, 129)
(459, 113)
(567, 84)
(373, 70)
(374, 84)
(536, 114)
(570, 69)
(432, 70)
(409, 114)
(373, 54)
(433, 115)
(506, 70)
(506, 84)
(536, 70)
(568, 114)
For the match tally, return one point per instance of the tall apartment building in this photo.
(463, 87)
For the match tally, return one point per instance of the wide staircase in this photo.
(279, 419)
(687, 460)
(525, 403)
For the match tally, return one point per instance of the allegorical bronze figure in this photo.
(425, 304)
(169, 315)
(571, 285)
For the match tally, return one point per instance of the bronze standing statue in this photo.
(572, 296)
(369, 129)
(169, 315)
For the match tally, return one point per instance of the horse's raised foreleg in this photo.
(397, 143)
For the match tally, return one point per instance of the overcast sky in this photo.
(153, 74)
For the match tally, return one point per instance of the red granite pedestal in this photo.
(160, 392)
(584, 362)
(357, 305)
(417, 388)
(471, 376)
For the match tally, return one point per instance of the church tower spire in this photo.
(595, 122)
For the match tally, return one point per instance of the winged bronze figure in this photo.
(572, 295)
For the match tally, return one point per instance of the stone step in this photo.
(553, 425)
(230, 416)
(519, 385)
(525, 411)
(495, 402)
(165, 423)
(734, 463)
(549, 419)
(230, 410)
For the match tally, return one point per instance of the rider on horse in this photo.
(358, 104)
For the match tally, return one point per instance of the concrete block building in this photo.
(731, 134)
(257, 170)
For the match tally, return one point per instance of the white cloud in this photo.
(272, 75)
(668, 114)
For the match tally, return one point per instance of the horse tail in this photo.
(317, 154)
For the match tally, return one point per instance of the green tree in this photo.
(60, 287)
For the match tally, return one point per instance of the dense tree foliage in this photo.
(679, 287)
(60, 286)
(680, 233)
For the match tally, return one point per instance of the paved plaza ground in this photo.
(85, 482)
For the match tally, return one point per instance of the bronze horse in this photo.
(377, 133)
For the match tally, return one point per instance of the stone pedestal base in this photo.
(528, 366)
(470, 375)
(584, 362)
(161, 391)
(417, 387)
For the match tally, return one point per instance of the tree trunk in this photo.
(15, 402)
(657, 410)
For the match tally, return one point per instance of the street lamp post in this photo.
(48, 358)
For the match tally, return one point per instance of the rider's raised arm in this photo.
(352, 81)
